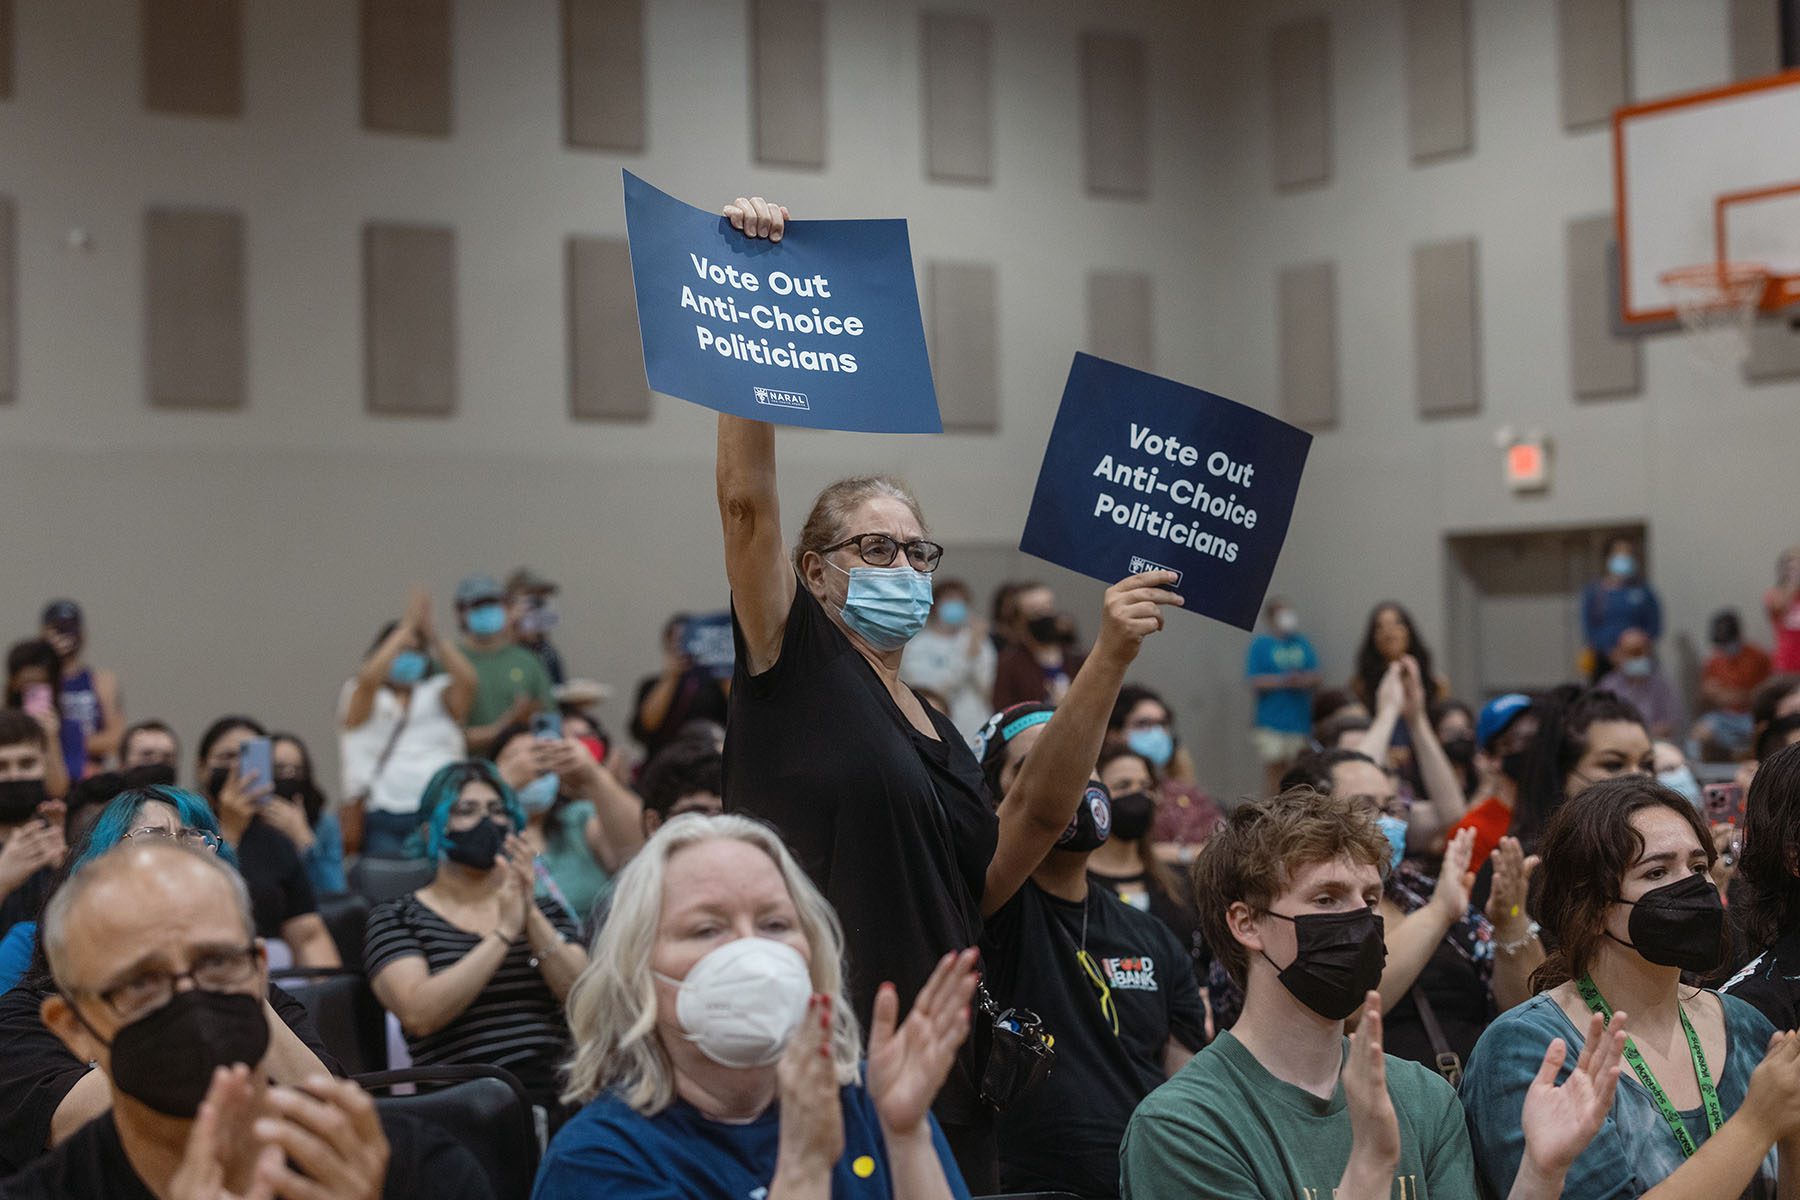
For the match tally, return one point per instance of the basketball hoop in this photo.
(1717, 303)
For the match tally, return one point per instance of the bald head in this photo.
(141, 900)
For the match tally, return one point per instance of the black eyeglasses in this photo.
(880, 550)
(217, 970)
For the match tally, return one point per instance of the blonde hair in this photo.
(612, 1006)
(831, 511)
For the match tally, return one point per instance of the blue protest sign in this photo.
(820, 329)
(706, 640)
(1142, 472)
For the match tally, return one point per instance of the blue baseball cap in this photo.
(478, 589)
(1496, 715)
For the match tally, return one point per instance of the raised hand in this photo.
(908, 1064)
(1374, 1128)
(757, 218)
(289, 817)
(1773, 1101)
(1390, 693)
(1132, 611)
(812, 1115)
(244, 792)
(1455, 880)
(418, 613)
(516, 888)
(328, 1129)
(1560, 1121)
(31, 848)
(1412, 704)
(1512, 875)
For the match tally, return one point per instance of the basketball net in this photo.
(1717, 303)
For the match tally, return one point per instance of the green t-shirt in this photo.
(571, 864)
(502, 676)
(1226, 1129)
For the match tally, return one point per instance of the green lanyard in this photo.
(1709, 1093)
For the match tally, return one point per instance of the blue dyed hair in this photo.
(445, 789)
(116, 821)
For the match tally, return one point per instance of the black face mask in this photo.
(1048, 631)
(215, 783)
(1513, 766)
(1132, 814)
(1338, 959)
(1091, 824)
(19, 800)
(150, 775)
(166, 1060)
(477, 847)
(1460, 750)
(1680, 924)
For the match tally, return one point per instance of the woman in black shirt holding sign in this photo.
(875, 792)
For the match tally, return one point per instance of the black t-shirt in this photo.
(91, 1165)
(271, 867)
(1142, 892)
(894, 827)
(1460, 1000)
(1063, 1133)
(37, 1071)
(698, 697)
(1772, 982)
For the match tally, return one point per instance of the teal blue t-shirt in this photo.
(1635, 1150)
(1284, 710)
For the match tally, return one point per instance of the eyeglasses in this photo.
(477, 808)
(1092, 969)
(222, 970)
(187, 837)
(880, 550)
(1387, 806)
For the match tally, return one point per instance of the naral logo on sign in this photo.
(779, 399)
(1140, 565)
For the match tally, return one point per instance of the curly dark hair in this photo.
(1771, 903)
(1371, 666)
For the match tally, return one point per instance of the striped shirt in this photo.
(514, 1022)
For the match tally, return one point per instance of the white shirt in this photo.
(431, 739)
(941, 660)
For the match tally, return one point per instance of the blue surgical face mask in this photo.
(1622, 565)
(1156, 744)
(408, 667)
(1639, 666)
(538, 795)
(1682, 780)
(485, 620)
(1394, 829)
(954, 613)
(886, 606)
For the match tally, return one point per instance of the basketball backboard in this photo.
(1708, 178)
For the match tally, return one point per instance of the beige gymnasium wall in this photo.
(242, 560)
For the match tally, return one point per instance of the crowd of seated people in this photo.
(898, 902)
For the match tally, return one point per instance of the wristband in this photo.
(1531, 932)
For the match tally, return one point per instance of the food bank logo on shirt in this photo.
(1406, 1187)
(1130, 974)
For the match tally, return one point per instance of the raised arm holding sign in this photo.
(877, 794)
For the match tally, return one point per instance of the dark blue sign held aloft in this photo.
(706, 640)
(1142, 472)
(821, 328)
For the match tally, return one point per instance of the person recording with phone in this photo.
(33, 675)
(31, 823)
(681, 692)
(473, 967)
(235, 764)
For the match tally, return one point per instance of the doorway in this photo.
(1514, 605)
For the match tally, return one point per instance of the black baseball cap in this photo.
(62, 614)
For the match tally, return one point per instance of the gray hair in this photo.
(124, 857)
(612, 1006)
(825, 523)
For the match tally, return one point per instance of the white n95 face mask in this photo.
(741, 1003)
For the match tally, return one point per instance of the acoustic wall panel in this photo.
(1115, 97)
(606, 357)
(1300, 102)
(9, 302)
(603, 74)
(1755, 38)
(194, 57)
(1122, 318)
(1437, 77)
(965, 343)
(1445, 338)
(1774, 352)
(1602, 362)
(409, 319)
(958, 66)
(406, 47)
(6, 49)
(787, 81)
(1306, 300)
(194, 308)
(1595, 60)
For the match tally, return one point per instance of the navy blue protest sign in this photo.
(706, 640)
(1142, 472)
(820, 329)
